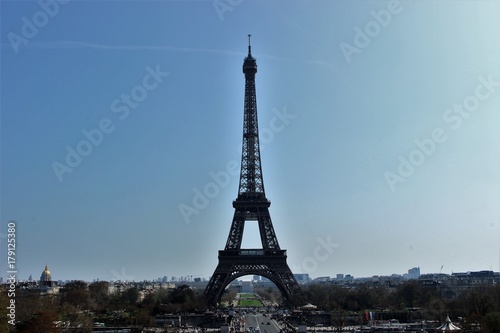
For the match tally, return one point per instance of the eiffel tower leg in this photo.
(215, 288)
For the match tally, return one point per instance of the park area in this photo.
(249, 300)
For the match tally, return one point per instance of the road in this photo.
(258, 323)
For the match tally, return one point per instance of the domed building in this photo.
(45, 279)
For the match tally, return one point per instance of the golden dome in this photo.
(46, 275)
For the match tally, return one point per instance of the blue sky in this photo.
(379, 124)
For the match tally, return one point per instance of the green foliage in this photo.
(492, 322)
(181, 295)
(228, 296)
(4, 302)
(77, 294)
(81, 303)
(99, 294)
(143, 317)
(42, 322)
(411, 300)
(131, 295)
(414, 294)
(249, 300)
(269, 294)
(334, 297)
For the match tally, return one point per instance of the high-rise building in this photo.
(302, 278)
(413, 273)
(246, 287)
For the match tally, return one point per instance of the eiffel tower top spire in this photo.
(251, 186)
(250, 64)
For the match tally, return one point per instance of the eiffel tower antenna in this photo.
(249, 46)
(251, 205)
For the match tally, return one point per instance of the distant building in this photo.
(46, 278)
(471, 279)
(413, 273)
(46, 285)
(302, 278)
(322, 279)
(340, 277)
(246, 287)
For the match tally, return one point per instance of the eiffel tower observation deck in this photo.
(252, 206)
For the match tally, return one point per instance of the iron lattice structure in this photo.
(251, 205)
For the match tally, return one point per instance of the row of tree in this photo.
(477, 307)
(82, 304)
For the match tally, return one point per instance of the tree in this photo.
(478, 301)
(182, 294)
(143, 318)
(42, 322)
(77, 294)
(412, 294)
(99, 294)
(228, 296)
(28, 304)
(4, 303)
(150, 300)
(491, 322)
(317, 294)
(131, 295)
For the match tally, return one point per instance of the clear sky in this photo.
(121, 125)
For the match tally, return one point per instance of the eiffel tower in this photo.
(251, 205)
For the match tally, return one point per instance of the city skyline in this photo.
(411, 274)
(121, 138)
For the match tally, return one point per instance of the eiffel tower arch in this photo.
(251, 205)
